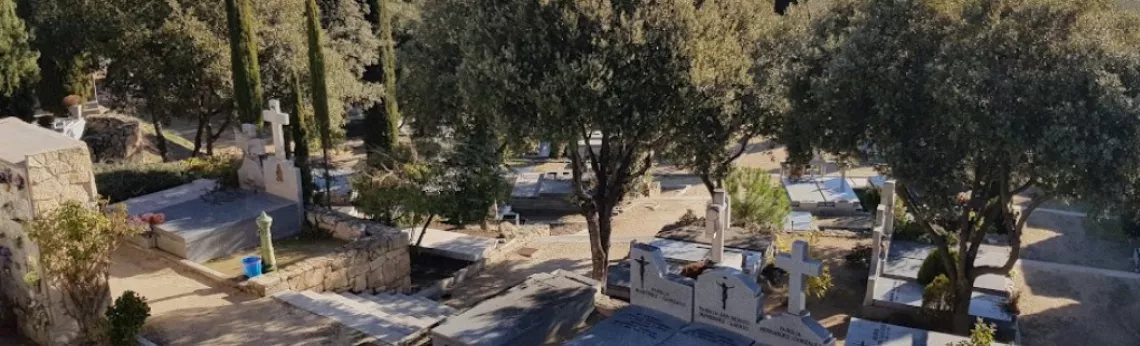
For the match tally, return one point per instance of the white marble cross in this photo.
(276, 119)
(798, 264)
(717, 222)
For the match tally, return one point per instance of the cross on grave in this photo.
(276, 119)
(798, 265)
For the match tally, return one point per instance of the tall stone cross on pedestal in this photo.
(718, 218)
(798, 265)
(276, 119)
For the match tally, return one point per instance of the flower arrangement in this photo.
(150, 219)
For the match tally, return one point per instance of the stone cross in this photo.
(276, 119)
(798, 264)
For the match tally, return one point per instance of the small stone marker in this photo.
(276, 120)
(798, 265)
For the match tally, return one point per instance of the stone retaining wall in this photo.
(377, 261)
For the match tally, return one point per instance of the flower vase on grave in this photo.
(268, 258)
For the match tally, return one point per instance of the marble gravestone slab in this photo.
(905, 258)
(222, 223)
(652, 286)
(862, 332)
(543, 307)
(631, 326)
(728, 299)
(900, 293)
(698, 334)
(693, 252)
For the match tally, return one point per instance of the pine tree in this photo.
(320, 90)
(301, 141)
(243, 53)
(18, 69)
(384, 123)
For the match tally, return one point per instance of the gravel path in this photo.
(187, 309)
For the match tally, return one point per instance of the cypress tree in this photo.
(384, 122)
(243, 54)
(18, 69)
(320, 89)
(297, 122)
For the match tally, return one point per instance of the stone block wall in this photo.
(39, 183)
(375, 261)
(113, 138)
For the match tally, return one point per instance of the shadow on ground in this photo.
(1079, 308)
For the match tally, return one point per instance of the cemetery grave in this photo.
(204, 222)
(682, 245)
(892, 287)
(723, 306)
(544, 307)
(819, 194)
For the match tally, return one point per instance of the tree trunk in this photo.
(962, 322)
(423, 230)
(161, 138)
(288, 141)
(212, 137)
(202, 120)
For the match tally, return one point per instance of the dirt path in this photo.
(1069, 305)
(187, 309)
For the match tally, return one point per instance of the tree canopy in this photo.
(973, 103)
(18, 69)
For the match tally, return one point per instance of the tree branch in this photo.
(1026, 186)
(1014, 241)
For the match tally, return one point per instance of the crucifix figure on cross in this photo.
(798, 265)
(276, 119)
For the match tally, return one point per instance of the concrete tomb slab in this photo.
(453, 244)
(905, 294)
(862, 332)
(543, 307)
(631, 326)
(702, 335)
(221, 223)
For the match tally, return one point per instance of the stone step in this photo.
(410, 305)
(388, 313)
(345, 313)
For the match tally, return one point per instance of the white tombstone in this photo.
(798, 264)
(652, 286)
(276, 120)
(787, 329)
(729, 299)
(250, 174)
(717, 221)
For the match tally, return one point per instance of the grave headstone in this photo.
(792, 330)
(798, 265)
(250, 174)
(653, 287)
(728, 299)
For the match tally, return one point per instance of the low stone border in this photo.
(343, 226)
(374, 263)
(211, 274)
(445, 285)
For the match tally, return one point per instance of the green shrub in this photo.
(869, 199)
(756, 199)
(119, 182)
(126, 318)
(938, 296)
(932, 266)
(981, 335)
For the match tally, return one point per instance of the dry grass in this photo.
(287, 251)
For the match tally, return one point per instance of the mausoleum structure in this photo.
(39, 170)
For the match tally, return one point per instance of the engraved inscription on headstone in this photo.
(728, 299)
(652, 286)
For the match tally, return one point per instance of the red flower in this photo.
(151, 218)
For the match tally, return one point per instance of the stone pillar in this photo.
(716, 223)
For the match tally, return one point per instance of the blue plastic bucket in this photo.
(252, 265)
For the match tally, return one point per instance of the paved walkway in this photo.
(1075, 268)
(189, 309)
